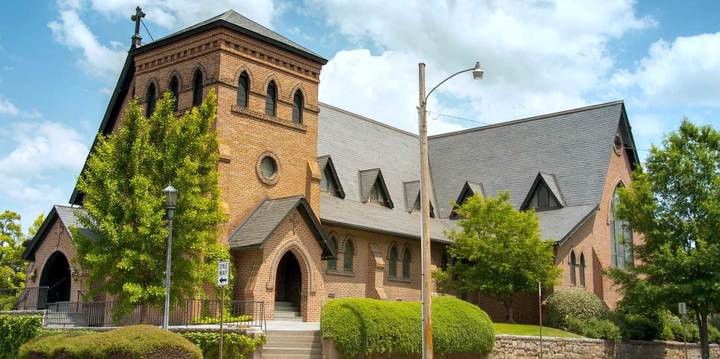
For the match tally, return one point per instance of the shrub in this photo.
(16, 330)
(635, 326)
(140, 341)
(235, 345)
(368, 326)
(595, 328)
(573, 303)
(226, 319)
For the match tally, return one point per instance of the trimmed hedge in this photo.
(574, 303)
(15, 330)
(368, 326)
(139, 341)
(595, 328)
(235, 345)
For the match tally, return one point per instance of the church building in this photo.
(323, 203)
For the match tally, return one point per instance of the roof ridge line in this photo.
(367, 119)
(528, 119)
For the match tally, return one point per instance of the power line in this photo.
(436, 114)
(146, 29)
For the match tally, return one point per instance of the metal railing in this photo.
(191, 312)
(31, 298)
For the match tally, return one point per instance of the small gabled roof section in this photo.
(468, 190)
(550, 181)
(268, 215)
(67, 217)
(368, 180)
(412, 197)
(326, 162)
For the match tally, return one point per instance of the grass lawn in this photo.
(533, 330)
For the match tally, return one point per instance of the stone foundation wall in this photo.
(511, 346)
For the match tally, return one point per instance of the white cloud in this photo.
(647, 125)
(7, 107)
(685, 72)
(538, 56)
(95, 58)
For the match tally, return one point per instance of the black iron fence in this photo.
(191, 312)
(31, 298)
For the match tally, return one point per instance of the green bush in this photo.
(638, 327)
(235, 345)
(595, 328)
(140, 341)
(16, 330)
(573, 303)
(368, 326)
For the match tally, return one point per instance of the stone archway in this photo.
(56, 277)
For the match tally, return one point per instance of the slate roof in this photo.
(412, 192)
(550, 181)
(559, 224)
(268, 215)
(242, 24)
(68, 218)
(574, 145)
(327, 161)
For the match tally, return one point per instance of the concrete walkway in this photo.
(278, 325)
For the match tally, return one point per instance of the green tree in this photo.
(499, 251)
(12, 266)
(675, 203)
(124, 205)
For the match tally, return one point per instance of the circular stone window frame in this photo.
(258, 168)
(617, 144)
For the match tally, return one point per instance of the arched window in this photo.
(197, 88)
(392, 262)
(271, 100)
(175, 91)
(582, 269)
(151, 99)
(297, 114)
(243, 90)
(571, 267)
(406, 263)
(348, 256)
(622, 237)
(332, 263)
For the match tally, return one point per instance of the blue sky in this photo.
(59, 62)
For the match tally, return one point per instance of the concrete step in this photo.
(292, 351)
(284, 305)
(286, 314)
(290, 356)
(292, 341)
(291, 333)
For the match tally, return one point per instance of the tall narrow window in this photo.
(271, 100)
(175, 91)
(392, 262)
(332, 263)
(571, 267)
(406, 263)
(243, 90)
(622, 237)
(582, 269)
(297, 114)
(151, 99)
(197, 88)
(348, 256)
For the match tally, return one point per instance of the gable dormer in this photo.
(469, 189)
(412, 198)
(544, 194)
(373, 188)
(329, 182)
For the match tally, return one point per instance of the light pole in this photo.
(170, 202)
(426, 286)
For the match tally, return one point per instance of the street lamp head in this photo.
(170, 196)
(477, 71)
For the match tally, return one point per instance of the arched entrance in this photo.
(288, 280)
(56, 276)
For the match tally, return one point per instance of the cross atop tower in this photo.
(139, 14)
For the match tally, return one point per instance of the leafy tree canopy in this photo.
(122, 187)
(675, 203)
(498, 251)
(12, 266)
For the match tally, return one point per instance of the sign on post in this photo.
(223, 272)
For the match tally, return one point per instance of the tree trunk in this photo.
(704, 342)
(509, 308)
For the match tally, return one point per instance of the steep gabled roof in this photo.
(548, 180)
(268, 215)
(67, 217)
(373, 178)
(412, 192)
(468, 190)
(574, 145)
(326, 161)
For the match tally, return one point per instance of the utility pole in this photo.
(426, 275)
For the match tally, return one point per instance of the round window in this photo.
(617, 144)
(267, 168)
